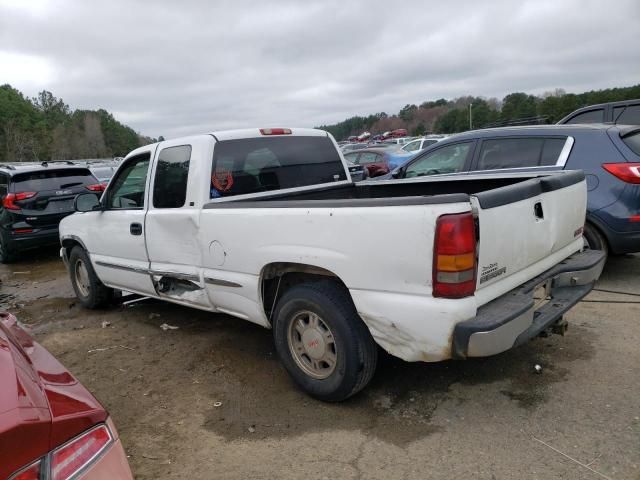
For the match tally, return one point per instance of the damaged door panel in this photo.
(172, 222)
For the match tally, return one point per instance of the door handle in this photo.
(135, 229)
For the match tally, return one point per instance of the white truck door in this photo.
(172, 221)
(117, 238)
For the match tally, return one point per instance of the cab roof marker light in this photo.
(275, 131)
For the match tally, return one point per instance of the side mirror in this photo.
(87, 202)
(397, 173)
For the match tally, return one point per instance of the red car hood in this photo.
(41, 404)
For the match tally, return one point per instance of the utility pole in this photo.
(470, 117)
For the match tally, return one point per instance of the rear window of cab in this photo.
(256, 165)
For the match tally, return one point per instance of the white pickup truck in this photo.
(267, 226)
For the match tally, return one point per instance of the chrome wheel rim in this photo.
(82, 278)
(312, 345)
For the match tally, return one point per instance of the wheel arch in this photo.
(70, 241)
(277, 277)
(599, 226)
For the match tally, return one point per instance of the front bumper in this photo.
(512, 319)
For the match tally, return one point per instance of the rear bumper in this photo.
(512, 319)
(627, 242)
(38, 238)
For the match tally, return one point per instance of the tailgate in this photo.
(526, 228)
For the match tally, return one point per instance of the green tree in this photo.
(408, 112)
(518, 105)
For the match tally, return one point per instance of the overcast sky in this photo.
(180, 67)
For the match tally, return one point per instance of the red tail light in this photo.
(32, 472)
(627, 172)
(96, 187)
(72, 457)
(454, 256)
(275, 131)
(10, 198)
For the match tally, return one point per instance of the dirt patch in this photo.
(210, 399)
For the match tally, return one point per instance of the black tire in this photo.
(594, 239)
(7, 255)
(355, 350)
(97, 295)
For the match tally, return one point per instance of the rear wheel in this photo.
(593, 239)
(322, 342)
(91, 292)
(7, 255)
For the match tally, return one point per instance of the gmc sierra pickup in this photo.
(267, 226)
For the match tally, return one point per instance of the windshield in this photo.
(103, 174)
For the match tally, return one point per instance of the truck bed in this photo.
(488, 190)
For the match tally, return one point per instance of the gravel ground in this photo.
(209, 400)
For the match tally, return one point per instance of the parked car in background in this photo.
(103, 172)
(364, 136)
(51, 427)
(35, 197)
(609, 155)
(399, 133)
(353, 146)
(414, 146)
(626, 112)
(375, 160)
(398, 141)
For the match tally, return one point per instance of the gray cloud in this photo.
(176, 68)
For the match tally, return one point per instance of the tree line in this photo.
(45, 128)
(453, 116)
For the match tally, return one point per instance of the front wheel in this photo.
(91, 292)
(322, 342)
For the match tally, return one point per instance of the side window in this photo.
(449, 159)
(126, 190)
(172, 172)
(510, 153)
(4, 182)
(551, 150)
(630, 116)
(616, 113)
(412, 146)
(590, 116)
(368, 157)
(633, 142)
(352, 157)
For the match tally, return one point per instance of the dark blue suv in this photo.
(608, 154)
